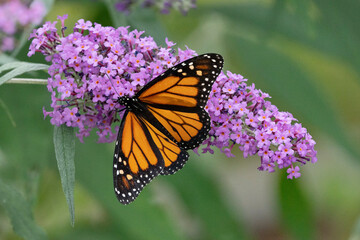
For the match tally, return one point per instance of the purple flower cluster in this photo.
(15, 15)
(242, 116)
(164, 5)
(92, 66)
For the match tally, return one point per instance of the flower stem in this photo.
(28, 81)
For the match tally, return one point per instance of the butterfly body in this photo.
(131, 104)
(163, 120)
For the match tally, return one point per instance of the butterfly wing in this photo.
(141, 153)
(187, 129)
(137, 160)
(176, 99)
(174, 157)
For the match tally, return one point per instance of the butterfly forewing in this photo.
(185, 86)
(177, 97)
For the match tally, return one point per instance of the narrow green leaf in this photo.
(22, 40)
(18, 64)
(6, 59)
(295, 209)
(64, 142)
(19, 212)
(19, 68)
(356, 233)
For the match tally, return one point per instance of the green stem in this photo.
(28, 81)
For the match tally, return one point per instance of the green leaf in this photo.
(64, 142)
(19, 68)
(19, 212)
(295, 209)
(6, 59)
(23, 39)
(356, 233)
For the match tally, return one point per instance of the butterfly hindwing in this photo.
(141, 153)
(174, 157)
(137, 159)
(188, 129)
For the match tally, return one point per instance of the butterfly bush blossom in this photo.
(15, 15)
(93, 65)
(164, 5)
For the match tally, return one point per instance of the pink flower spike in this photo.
(95, 65)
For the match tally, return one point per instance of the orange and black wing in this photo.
(141, 153)
(187, 129)
(174, 157)
(176, 99)
(137, 160)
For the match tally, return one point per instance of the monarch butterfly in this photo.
(163, 120)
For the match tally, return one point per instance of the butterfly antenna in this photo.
(112, 84)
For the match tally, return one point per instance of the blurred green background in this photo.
(305, 54)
